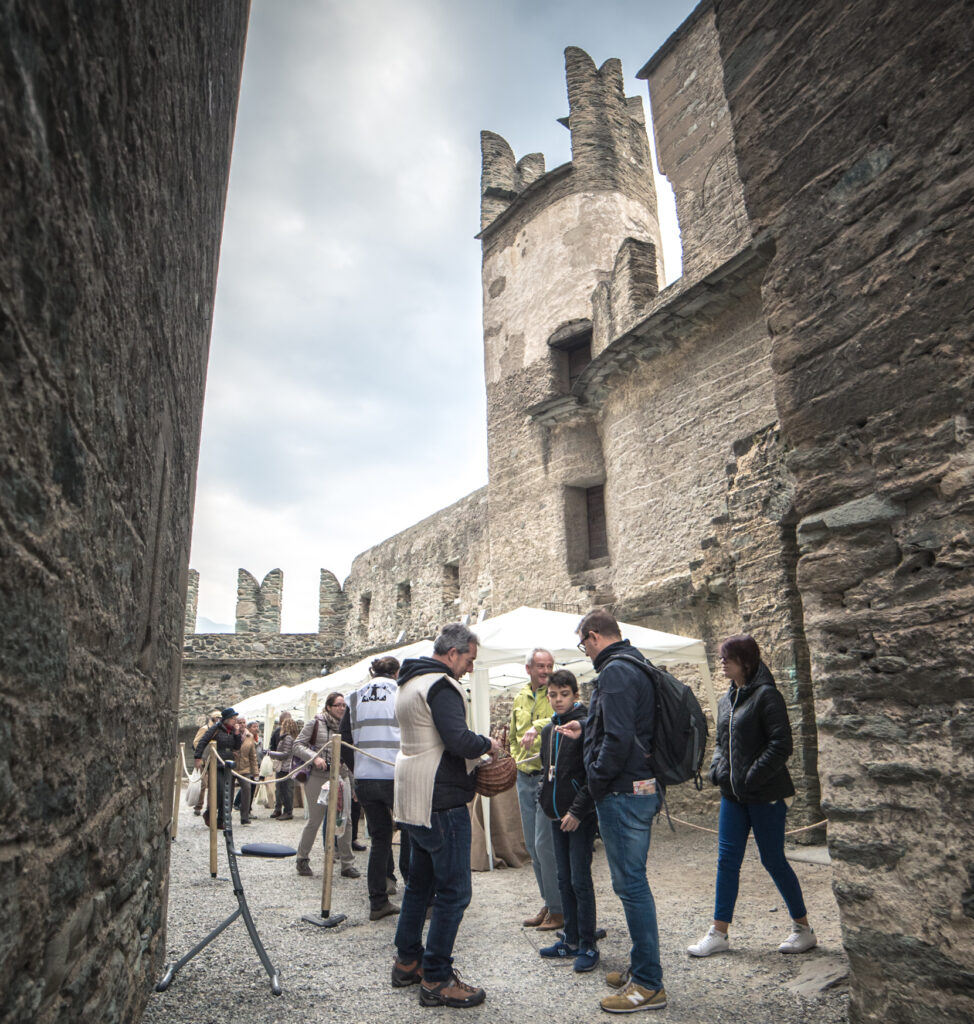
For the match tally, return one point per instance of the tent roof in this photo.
(505, 643)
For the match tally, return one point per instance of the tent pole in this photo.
(711, 692)
(480, 719)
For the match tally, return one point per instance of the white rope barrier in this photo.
(382, 760)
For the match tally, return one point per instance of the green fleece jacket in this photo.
(531, 708)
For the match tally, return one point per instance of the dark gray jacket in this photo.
(620, 723)
(753, 742)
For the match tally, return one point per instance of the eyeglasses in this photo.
(581, 643)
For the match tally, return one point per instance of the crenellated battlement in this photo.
(610, 148)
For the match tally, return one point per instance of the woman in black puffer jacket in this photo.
(750, 767)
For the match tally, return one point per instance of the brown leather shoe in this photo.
(552, 923)
(406, 974)
(387, 908)
(533, 922)
(452, 992)
(303, 865)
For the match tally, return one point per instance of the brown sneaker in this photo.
(552, 923)
(406, 974)
(533, 922)
(618, 979)
(452, 992)
(634, 997)
(304, 867)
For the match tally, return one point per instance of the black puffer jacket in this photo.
(753, 742)
(621, 718)
(567, 792)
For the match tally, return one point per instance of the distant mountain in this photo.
(205, 625)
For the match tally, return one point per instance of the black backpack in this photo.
(680, 734)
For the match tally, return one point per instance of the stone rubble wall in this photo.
(853, 128)
(443, 560)
(694, 144)
(117, 121)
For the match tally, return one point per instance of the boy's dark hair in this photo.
(563, 678)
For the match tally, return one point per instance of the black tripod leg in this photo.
(171, 972)
(238, 891)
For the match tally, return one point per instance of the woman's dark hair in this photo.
(563, 678)
(384, 667)
(332, 697)
(743, 649)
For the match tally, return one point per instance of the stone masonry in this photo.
(853, 128)
(117, 121)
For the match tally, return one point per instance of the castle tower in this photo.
(552, 242)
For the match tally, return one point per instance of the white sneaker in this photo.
(801, 940)
(713, 942)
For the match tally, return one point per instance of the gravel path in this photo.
(342, 974)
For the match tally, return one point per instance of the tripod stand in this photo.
(251, 850)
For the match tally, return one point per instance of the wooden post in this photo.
(211, 798)
(329, 837)
(177, 790)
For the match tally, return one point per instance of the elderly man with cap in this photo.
(228, 740)
(211, 719)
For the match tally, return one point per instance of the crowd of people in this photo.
(582, 772)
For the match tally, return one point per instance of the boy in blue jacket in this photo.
(565, 799)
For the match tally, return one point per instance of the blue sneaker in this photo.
(586, 960)
(559, 951)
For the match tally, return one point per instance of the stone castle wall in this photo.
(410, 585)
(853, 126)
(117, 121)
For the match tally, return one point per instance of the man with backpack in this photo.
(618, 747)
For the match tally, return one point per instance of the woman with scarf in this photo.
(314, 741)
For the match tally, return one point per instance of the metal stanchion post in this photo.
(327, 919)
(177, 790)
(211, 799)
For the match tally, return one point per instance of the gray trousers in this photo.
(316, 815)
(537, 838)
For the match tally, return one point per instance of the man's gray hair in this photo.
(456, 637)
(536, 651)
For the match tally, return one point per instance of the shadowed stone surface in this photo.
(852, 126)
(117, 122)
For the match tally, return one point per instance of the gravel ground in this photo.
(342, 974)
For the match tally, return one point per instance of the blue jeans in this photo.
(768, 823)
(439, 860)
(625, 821)
(537, 838)
(573, 856)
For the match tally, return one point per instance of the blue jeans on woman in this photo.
(439, 860)
(768, 824)
(625, 821)
(573, 857)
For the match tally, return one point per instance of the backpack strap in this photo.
(648, 668)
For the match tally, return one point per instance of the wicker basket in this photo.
(496, 775)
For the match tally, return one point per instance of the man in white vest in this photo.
(433, 785)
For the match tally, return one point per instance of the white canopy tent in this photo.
(506, 641)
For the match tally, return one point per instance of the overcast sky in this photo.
(345, 396)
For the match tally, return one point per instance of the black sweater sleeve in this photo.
(446, 706)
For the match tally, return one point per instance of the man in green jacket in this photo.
(530, 714)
